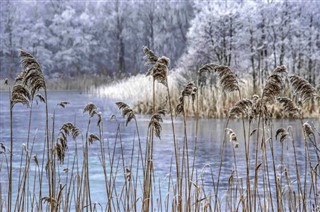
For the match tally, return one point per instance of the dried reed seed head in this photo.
(68, 128)
(236, 144)
(2, 148)
(155, 122)
(255, 98)
(90, 108)
(253, 131)
(274, 84)
(190, 90)
(20, 94)
(41, 98)
(126, 111)
(179, 108)
(129, 118)
(63, 142)
(207, 68)
(21, 76)
(28, 61)
(242, 107)
(99, 119)
(60, 151)
(6, 81)
(302, 88)
(164, 60)
(280, 131)
(288, 105)
(49, 200)
(159, 72)
(236, 111)
(31, 74)
(35, 158)
(63, 104)
(308, 129)
(232, 137)
(121, 105)
(93, 138)
(271, 90)
(228, 78)
(280, 70)
(150, 57)
(156, 127)
(283, 137)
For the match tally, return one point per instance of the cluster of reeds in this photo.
(61, 178)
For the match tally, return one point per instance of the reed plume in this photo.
(274, 84)
(150, 56)
(232, 137)
(282, 133)
(126, 111)
(41, 98)
(92, 138)
(60, 151)
(228, 79)
(63, 104)
(241, 108)
(20, 94)
(159, 66)
(189, 90)
(91, 109)
(302, 88)
(61, 146)
(159, 71)
(69, 129)
(32, 75)
(288, 106)
(308, 129)
(155, 122)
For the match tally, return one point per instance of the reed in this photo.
(268, 181)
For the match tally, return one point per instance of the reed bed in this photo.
(60, 178)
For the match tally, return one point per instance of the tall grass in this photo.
(266, 183)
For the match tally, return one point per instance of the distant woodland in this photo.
(106, 38)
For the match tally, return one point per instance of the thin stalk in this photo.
(176, 151)
(11, 153)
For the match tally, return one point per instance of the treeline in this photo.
(253, 37)
(72, 37)
(103, 37)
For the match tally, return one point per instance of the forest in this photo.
(105, 38)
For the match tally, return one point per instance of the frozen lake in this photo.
(207, 161)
